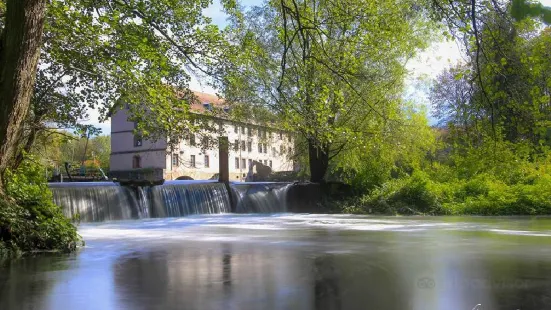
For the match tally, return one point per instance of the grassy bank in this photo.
(29, 221)
(475, 184)
(482, 195)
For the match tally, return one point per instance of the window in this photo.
(259, 147)
(192, 140)
(136, 161)
(205, 142)
(237, 163)
(259, 132)
(265, 148)
(250, 163)
(243, 163)
(264, 134)
(192, 161)
(235, 128)
(243, 129)
(175, 161)
(270, 163)
(236, 145)
(207, 161)
(249, 131)
(249, 146)
(280, 135)
(137, 140)
(243, 146)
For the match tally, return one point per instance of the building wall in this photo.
(123, 150)
(276, 149)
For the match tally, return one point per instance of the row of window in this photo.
(244, 145)
(261, 133)
(239, 162)
(192, 162)
(247, 146)
(242, 163)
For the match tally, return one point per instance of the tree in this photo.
(19, 52)
(54, 149)
(332, 72)
(503, 92)
(102, 54)
(489, 31)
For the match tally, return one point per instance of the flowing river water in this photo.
(291, 261)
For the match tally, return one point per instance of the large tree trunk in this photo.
(318, 157)
(19, 54)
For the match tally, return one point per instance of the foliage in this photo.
(472, 184)
(29, 221)
(53, 149)
(395, 150)
(106, 54)
(331, 71)
(491, 153)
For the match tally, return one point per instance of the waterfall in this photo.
(186, 198)
(95, 202)
(261, 197)
(107, 201)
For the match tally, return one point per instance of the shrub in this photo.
(29, 220)
(481, 194)
(411, 195)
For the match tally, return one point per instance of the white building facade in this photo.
(191, 158)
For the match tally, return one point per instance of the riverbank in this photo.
(419, 194)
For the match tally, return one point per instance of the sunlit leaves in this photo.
(140, 53)
(332, 71)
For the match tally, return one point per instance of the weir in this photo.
(261, 197)
(108, 201)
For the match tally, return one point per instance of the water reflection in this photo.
(215, 278)
(301, 267)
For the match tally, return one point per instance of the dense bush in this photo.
(29, 220)
(518, 187)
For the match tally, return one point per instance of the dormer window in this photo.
(207, 106)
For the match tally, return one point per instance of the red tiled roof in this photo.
(203, 99)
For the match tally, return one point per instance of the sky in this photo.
(423, 68)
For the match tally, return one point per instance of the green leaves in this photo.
(31, 221)
(521, 9)
(330, 71)
(96, 53)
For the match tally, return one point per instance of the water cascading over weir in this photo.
(108, 201)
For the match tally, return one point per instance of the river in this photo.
(292, 261)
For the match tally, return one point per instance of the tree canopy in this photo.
(333, 72)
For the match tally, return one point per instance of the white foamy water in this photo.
(249, 227)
